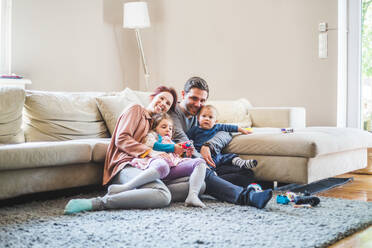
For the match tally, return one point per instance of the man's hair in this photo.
(196, 82)
(209, 106)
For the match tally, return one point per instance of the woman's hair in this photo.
(157, 118)
(171, 90)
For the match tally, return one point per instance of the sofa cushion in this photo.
(233, 112)
(111, 107)
(99, 150)
(11, 106)
(306, 142)
(55, 116)
(42, 154)
(279, 117)
(26, 181)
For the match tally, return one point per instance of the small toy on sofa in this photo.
(287, 130)
(249, 129)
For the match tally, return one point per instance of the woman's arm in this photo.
(127, 126)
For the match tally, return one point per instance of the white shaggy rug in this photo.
(42, 224)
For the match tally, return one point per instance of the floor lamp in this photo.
(136, 16)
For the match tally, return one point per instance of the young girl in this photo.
(159, 139)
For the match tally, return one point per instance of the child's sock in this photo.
(195, 183)
(260, 199)
(78, 205)
(146, 176)
(242, 163)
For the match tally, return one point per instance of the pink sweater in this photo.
(131, 127)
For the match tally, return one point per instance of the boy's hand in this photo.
(178, 149)
(206, 153)
(244, 131)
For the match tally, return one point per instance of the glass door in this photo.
(366, 75)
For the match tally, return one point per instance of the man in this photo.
(184, 116)
(194, 96)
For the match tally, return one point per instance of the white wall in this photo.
(264, 50)
(73, 45)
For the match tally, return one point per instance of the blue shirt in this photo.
(158, 146)
(199, 135)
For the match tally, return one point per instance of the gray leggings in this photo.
(151, 195)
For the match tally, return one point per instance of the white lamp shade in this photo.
(136, 15)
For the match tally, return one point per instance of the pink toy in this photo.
(188, 146)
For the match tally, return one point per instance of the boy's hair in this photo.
(196, 82)
(210, 107)
(157, 118)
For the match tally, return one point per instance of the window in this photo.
(366, 69)
(5, 36)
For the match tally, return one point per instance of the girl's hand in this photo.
(178, 149)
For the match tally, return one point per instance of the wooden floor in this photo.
(359, 189)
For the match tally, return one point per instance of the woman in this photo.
(131, 128)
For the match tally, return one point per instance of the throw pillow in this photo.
(233, 112)
(54, 116)
(111, 107)
(11, 106)
(143, 96)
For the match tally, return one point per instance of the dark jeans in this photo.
(224, 190)
(221, 189)
(232, 173)
(225, 158)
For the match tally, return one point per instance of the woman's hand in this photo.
(153, 154)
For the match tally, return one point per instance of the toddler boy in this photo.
(207, 128)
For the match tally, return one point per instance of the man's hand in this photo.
(206, 153)
(178, 149)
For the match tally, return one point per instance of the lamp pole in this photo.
(144, 64)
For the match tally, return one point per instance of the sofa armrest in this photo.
(280, 117)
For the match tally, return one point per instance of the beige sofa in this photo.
(58, 140)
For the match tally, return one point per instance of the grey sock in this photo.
(242, 163)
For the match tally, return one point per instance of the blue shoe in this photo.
(78, 205)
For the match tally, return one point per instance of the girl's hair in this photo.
(171, 90)
(157, 118)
